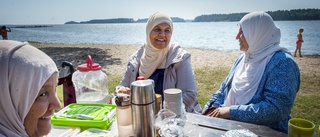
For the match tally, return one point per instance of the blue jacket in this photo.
(271, 105)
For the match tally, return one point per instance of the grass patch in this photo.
(113, 82)
(307, 101)
(306, 105)
(209, 81)
(59, 90)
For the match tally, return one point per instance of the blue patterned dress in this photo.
(271, 105)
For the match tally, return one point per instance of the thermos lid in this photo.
(140, 78)
(142, 92)
(89, 66)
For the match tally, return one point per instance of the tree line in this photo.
(295, 14)
(120, 20)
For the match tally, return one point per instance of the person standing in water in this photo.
(4, 32)
(299, 42)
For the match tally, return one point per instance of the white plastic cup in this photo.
(173, 100)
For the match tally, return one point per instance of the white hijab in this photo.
(263, 38)
(23, 71)
(153, 58)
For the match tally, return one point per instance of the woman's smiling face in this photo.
(37, 121)
(160, 35)
(242, 41)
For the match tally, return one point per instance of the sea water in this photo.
(203, 35)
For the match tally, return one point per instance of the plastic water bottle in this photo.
(124, 117)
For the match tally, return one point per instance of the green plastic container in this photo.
(85, 116)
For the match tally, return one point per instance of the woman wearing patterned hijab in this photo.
(164, 62)
(261, 86)
(28, 80)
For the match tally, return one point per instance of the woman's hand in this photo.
(208, 111)
(223, 112)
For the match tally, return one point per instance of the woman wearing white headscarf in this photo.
(261, 86)
(165, 63)
(28, 79)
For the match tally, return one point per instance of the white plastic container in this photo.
(90, 83)
(124, 116)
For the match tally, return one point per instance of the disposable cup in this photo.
(173, 100)
(298, 127)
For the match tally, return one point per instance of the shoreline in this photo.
(114, 57)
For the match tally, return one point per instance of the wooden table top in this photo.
(211, 126)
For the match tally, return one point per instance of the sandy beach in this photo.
(114, 58)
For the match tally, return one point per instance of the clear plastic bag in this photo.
(240, 133)
(169, 125)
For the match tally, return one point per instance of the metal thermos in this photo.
(143, 108)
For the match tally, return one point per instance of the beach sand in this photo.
(114, 58)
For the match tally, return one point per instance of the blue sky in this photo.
(60, 11)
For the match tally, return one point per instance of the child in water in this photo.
(299, 42)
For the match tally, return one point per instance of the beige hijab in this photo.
(153, 58)
(23, 71)
(263, 38)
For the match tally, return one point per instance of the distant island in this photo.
(30, 26)
(120, 20)
(295, 14)
(279, 15)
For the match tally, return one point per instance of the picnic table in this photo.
(204, 126)
(216, 127)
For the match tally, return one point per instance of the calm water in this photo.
(204, 35)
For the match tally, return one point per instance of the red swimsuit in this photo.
(299, 40)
